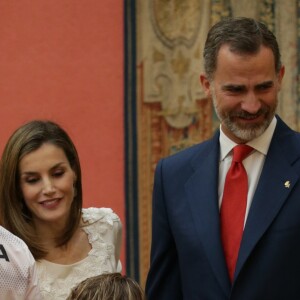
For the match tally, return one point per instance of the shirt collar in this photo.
(260, 144)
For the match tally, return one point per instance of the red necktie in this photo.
(233, 206)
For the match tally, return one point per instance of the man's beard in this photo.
(246, 132)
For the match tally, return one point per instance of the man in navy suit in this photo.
(243, 75)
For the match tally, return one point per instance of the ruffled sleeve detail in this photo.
(94, 214)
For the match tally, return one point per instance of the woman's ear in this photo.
(74, 178)
(74, 184)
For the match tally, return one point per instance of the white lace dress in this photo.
(104, 234)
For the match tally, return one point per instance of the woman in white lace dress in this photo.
(41, 202)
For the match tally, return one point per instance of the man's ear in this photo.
(280, 76)
(205, 85)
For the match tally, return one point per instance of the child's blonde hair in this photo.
(113, 286)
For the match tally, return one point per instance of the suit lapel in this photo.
(202, 195)
(276, 182)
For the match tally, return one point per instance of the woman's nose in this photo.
(48, 187)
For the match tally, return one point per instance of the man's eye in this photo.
(236, 90)
(264, 88)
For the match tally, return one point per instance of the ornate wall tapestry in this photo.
(166, 109)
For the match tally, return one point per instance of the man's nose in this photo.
(251, 103)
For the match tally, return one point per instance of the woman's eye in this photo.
(31, 180)
(58, 173)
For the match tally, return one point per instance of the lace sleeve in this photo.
(108, 224)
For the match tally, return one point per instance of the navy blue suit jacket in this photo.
(187, 260)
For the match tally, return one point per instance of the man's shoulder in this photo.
(184, 161)
(286, 135)
(201, 149)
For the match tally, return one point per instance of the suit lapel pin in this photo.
(287, 184)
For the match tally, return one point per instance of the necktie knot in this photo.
(240, 152)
